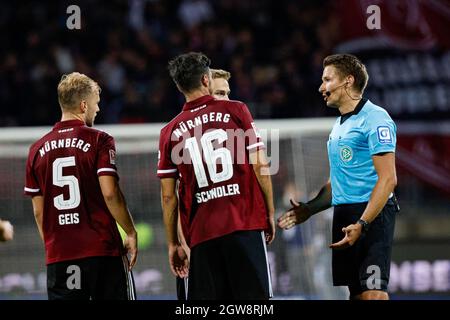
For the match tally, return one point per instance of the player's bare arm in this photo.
(182, 239)
(300, 212)
(261, 167)
(387, 180)
(38, 210)
(117, 206)
(169, 201)
(183, 251)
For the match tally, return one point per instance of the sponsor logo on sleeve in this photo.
(384, 134)
(257, 134)
(112, 156)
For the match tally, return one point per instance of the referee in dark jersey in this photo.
(361, 151)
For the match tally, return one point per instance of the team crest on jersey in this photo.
(112, 156)
(346, 153)
(384, 134)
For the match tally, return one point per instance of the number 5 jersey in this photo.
(63, 167)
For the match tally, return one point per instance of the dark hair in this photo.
(347, 64)
(187, 70)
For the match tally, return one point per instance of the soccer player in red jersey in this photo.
(225, 192)
(220, 89)
(219, 85)
(72, 178)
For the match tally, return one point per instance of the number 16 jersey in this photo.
(206, 147)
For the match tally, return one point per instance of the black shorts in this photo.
(365, 265)
(93, 278)
(233, 266)
(182, 284)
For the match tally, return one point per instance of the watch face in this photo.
(364, 224)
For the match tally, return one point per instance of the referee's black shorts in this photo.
(233, 266)
(93, 278)
(365, 265)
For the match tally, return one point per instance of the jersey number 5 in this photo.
(61, 180)
(212, 156)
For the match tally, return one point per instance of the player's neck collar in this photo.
(197, 102)
(68, 123)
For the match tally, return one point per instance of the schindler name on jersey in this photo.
(218, 192)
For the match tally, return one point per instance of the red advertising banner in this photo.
(407, 53)
(424, 151)
(407, 24)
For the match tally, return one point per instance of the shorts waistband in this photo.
(392, 201)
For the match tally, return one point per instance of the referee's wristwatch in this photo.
(364, 225)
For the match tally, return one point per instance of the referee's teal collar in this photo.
(357, 109)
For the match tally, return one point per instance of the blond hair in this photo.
(219, 73)
(75, 87)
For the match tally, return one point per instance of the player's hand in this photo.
(270, 233)
(6, 230)
(178, 261)
(299, 213)
(352, 233)
(130, 244)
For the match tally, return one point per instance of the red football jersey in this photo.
(206, 147)
(63, 167)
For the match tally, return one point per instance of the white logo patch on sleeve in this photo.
(384, 134)
(112, 156)
(257, 134)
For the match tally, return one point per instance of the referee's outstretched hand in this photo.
(352, 233)
(299, 213)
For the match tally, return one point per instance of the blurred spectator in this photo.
(193, 12)
(273, 50)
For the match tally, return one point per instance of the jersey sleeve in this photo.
(253, 141)
(381, 133)
(32, 187)
(106, 157)
(166, 167)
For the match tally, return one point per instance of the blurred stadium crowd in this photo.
(273, 50)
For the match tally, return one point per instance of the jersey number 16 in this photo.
(212, 156)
